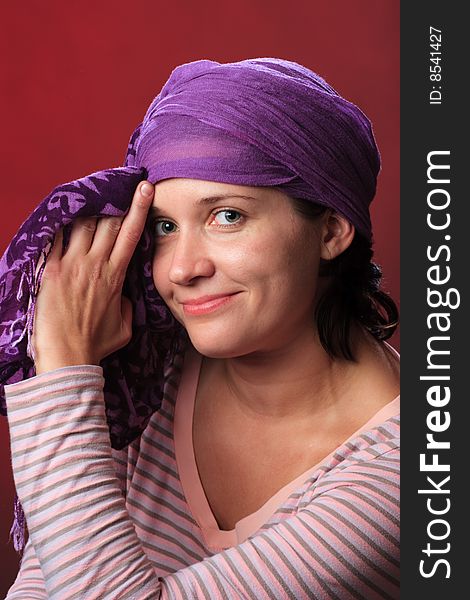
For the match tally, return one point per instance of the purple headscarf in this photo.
(257, 122)
(262, 122)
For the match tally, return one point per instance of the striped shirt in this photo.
(135, 524)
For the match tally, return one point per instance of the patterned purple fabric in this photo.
(133, 374)
(258, 122)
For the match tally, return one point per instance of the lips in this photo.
(206, 304)
(204, 299)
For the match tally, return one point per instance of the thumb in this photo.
(126, 314)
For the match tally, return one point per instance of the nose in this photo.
(190, 259)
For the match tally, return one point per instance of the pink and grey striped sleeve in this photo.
(341, 544)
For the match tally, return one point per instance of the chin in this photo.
(218, 346)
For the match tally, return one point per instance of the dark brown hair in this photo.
(353, 295)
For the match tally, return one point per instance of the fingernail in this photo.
(146, 189)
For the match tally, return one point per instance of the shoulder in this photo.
(369, 462)
(370, 447)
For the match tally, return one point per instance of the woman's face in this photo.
(246, 245)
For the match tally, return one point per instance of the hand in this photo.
(81, 316)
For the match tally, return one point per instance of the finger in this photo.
(81, 236)
(126, 311)
(54, 254)
(107, 231)
(125, 334)
(132, 227)
(56, 250)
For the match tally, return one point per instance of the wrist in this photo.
(48, 361)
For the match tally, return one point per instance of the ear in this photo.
(337, 234)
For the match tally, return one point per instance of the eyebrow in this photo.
(156, 211)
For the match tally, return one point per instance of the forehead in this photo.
(199, 187)
(181, 192)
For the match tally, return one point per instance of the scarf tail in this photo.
(18, 529)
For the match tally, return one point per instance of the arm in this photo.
(341, 544)
(29, 583)
(66, 481)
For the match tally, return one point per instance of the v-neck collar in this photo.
(214, 537)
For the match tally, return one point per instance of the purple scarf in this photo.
(257, 122)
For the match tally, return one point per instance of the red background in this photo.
(77, 78)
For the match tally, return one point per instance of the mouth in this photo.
(207, 304)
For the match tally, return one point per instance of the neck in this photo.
(290, 382)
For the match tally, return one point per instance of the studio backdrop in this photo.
(77, 77)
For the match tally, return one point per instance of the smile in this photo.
(208, 306)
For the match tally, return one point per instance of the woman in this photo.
(270, 469)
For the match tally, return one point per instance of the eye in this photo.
(163, 228)
(229, 216)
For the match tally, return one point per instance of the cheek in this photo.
(289, 253)
(279, 261)
(295, 264)
(252, 261)
(160, 276)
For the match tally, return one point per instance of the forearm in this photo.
(83, 537)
